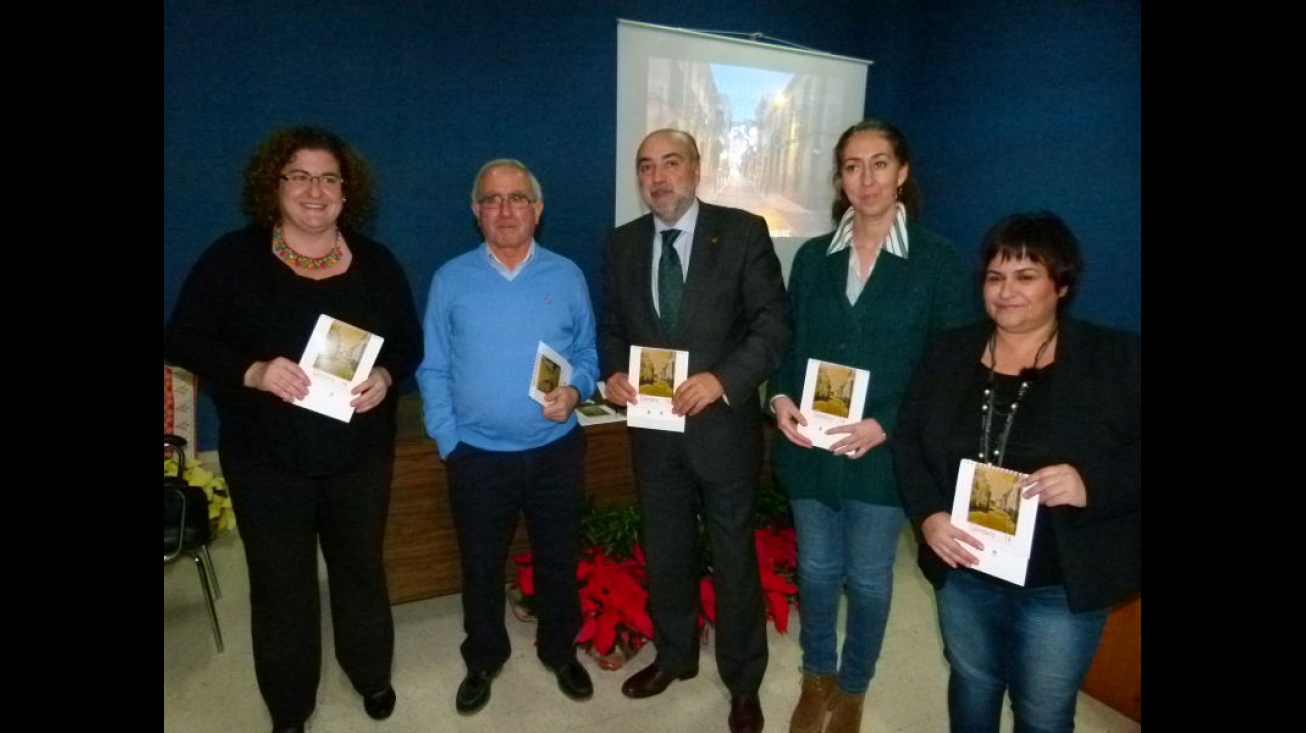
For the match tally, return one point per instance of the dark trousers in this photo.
(282, 518)
(487, 491)
(670, 496)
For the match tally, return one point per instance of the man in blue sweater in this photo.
(487, 312)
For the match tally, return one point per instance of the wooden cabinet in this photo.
(421, 548)
(1116, 677)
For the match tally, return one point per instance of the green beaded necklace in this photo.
(283, 250)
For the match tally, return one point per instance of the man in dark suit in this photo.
(730, 315)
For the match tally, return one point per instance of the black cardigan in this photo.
(1092, 420)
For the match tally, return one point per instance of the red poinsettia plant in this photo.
(613, 602)
(777, 561)
(613, 584)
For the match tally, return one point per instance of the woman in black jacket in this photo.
(1060, 401)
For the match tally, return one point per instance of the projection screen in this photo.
(766, 118)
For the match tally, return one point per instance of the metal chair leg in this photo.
(213, 571)
(208, 596)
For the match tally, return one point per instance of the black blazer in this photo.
(732, 322)
(1092, 419)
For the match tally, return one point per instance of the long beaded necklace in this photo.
(283, 250)
(1027, 377)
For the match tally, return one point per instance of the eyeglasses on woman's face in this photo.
(301, 179)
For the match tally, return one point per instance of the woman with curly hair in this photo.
(299, 478)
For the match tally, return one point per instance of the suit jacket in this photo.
(732, 322)
(1092, 419)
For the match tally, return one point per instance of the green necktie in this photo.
(671, 281)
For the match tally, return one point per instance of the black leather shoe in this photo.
(746, 714)
(574, 681)
(380, 705)
(289, 729)
(474, 691)
(652, 680)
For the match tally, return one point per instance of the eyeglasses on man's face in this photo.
(515, 200)
(300, 179)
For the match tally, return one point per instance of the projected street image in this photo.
(765, 137)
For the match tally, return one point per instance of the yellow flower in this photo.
(221, 514)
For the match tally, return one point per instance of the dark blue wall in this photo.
(1015, 105)
(1008, 104)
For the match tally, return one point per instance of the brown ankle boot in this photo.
(809, 715)
(845, 712)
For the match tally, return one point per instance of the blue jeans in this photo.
(850, 549)
(1002, 638)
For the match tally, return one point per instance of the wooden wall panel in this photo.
(1116, 677)
(421, 548)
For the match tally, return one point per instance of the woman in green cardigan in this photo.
(867, 296)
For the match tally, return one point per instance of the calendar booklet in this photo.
(988, 506)
(833, 395)
(338, 358)
(552, 370)
(655, 374)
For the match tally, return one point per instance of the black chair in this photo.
(186, 528)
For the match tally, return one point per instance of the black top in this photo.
(240, 304)
(1026, 451)
(1086, 412)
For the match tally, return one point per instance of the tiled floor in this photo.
(208, 692)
